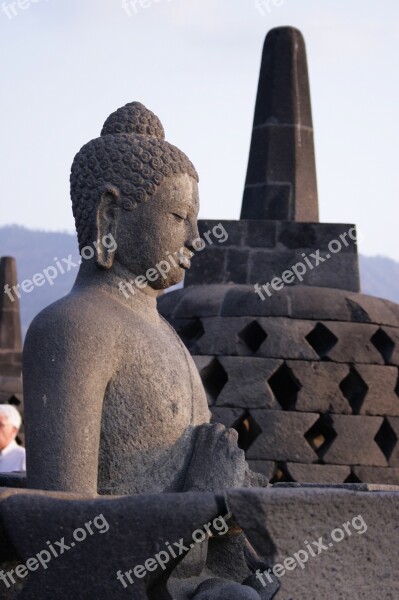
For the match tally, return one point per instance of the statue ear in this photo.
(107, 217)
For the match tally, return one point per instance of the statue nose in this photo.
(192, 236)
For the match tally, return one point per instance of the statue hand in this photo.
(217, 462)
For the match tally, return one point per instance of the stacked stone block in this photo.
(312, 390)
(258, 251)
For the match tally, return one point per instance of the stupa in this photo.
(10, 340)
(290, 352)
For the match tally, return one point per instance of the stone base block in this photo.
(329, 542)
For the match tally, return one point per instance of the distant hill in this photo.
(37, 250)
(379, 276)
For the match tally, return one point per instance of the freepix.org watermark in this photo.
(310, 262)
(132, 7)
(162, 268)
(63, 265)
(266, 6)
(313, 549)
(54, 550)
(217, 526)
(12, 9)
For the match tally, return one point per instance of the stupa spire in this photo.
(281, 178)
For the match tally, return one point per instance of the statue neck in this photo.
(119, 283)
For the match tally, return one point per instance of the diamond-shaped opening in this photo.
(352, 478)
(281, 474)
(386, 439)
(252, 336)
(354, 389)
(397, 386)
(191, 332)
(285, 386)
(248, 430)
(322, 340)
(214, 378)
(321, 435)
(384, 344)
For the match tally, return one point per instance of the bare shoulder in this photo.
(74, 322)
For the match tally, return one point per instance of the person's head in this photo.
(134, 185)
(10, 422)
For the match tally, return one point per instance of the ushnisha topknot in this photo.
(134, 118)
(131, 155)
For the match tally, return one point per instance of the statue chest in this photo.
(156, 391)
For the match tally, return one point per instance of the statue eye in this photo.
(178, 218)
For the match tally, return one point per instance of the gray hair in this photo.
(13, 416)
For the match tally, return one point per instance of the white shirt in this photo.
(12, 458)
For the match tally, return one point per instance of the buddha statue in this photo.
(113, 401)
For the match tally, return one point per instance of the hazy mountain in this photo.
(36, 251)
(379, 276)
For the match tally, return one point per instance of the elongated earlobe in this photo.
(106, 226)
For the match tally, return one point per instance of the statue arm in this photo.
(66, 370)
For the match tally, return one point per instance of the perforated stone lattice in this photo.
(343, 375)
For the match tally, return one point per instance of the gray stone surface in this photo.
(374, 309)
(247, 382)
(138, 528)
(354, 345)
(263, 250)
(389, 345)
(320, 390)
(238, 381)
(286, 339)
(202, 301)
(381, 397)
(355, 442)
(266, 467)
(268, 517)
(226, 416)
(377, 475)
(357, 567)
(10, 322)
(242, 301)
(13, 480)
(265, 593)
(282, 436)
(318, 473)
(392, 440)
(221, 336)
(319, 304)
(219, 589)
(297, 302)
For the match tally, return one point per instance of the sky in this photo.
(67, 64)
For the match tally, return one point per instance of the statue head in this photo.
(132, 184)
